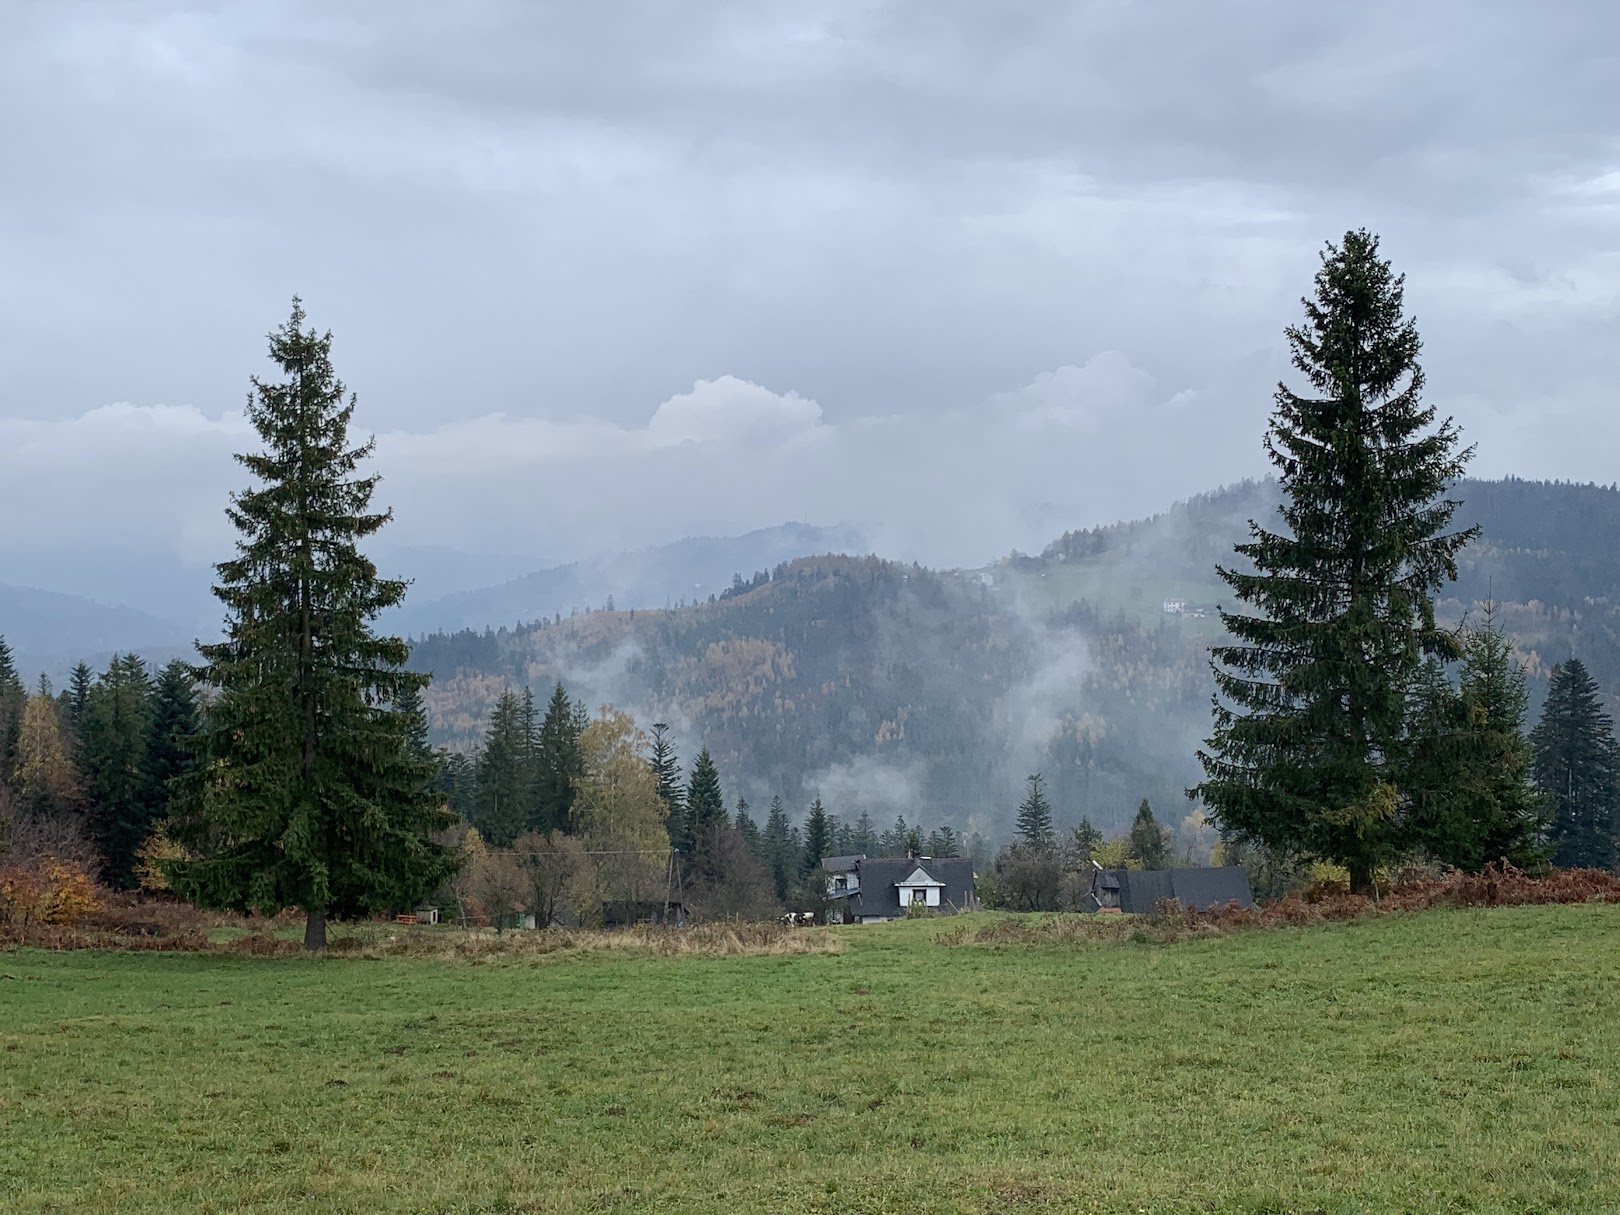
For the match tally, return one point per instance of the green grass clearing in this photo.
(1441, 1061)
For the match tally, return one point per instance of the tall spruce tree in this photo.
(1083, 842)
(1312, 694)
(748, 828)
(413, 715)
(817, 837)
(307, 794)
(666, 766)
(505, 778)
(1035, 817)
(80, 680)
(705, 807)
(782, 849)
(864, 838)
(114, 755)
(173, 722)
(558, 762)
(1149, 842)
(1471, 798)
(1577, 767)
(13, 696)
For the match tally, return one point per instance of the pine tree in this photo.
(307, 795)
(413, 714)
(1312, 696)
(528, 729)
(1512, 819)
(505, 779)
(666, 766)
(173, 722)
(557, 763)
(817, 838)
(13, 696)
(114, 755)
(1035, 817)
(1083, 841)
(944, 842)
(1148, 840)
(748, 828)
(1577, 767)
(893, 841)
(782, 848)
(863, 839)
(705, 809)
(80, 681)
(1471, 800)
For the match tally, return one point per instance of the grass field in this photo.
(1441, 1061)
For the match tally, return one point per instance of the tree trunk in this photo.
(314, 930)
(1361, 878)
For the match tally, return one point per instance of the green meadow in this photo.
(1464, 1060)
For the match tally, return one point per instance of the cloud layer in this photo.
(608, 274)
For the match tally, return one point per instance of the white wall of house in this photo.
(930, 895)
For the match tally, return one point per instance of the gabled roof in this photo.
(919, 877)
(1141, 890)
(882, 876)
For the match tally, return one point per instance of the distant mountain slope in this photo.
(688, 570)
(897, 689)
(50, 631)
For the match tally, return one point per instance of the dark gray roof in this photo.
(879, 894)
(841, 864)
(1141, 890)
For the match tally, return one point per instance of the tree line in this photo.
(87, 774)
(519, 790)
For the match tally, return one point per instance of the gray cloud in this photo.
(970, 274)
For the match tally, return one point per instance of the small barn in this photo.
(1138, 891)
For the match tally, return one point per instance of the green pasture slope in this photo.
(1446, 1061)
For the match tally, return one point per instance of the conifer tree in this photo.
(817, 838)
(1312, 694)
(1471, 798)
(705, 807)
(307, 794)
(893, 841)
(1148, 840)
(666, 766)
(1577, 766)
(782, 849)
(80, 681)
(413, 715)
(944, 842)
(558, 762)
(864, 837)
(1035, 817)
(748, 828)
(505, 785)
(173, 722)
(13, 696)
(114, 754)
(1083, 841)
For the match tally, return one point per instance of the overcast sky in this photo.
(604, 274)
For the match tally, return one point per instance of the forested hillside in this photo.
(897, 689)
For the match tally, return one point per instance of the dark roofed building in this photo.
(871, 889)
(1138, 891)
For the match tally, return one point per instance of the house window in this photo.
(919, 896)
(840, 884)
